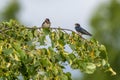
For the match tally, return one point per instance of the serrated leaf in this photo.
(45, 62)
(90, 68)
(64, 77)
(61, 42)
(8, 51)
(46, 31)
(69, 75)
(30, 35)
(55, 71)
(72, 56)
(103, 62)
(66, 36)
(42, 39)
(73, 47)
(18, 49)
(35, 33)
(102, 48)
(74, 66)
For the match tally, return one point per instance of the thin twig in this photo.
(50, 28)
(70, 31)
(60, 29)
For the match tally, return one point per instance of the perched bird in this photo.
(79, 29)
(46, 23)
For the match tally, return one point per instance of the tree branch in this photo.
(50, 28)
(68, 30)
(60, 29)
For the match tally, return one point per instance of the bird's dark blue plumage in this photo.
(79, 29)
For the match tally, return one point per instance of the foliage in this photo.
(40, 54)
(106, 27)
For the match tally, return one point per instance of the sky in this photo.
(62, 13)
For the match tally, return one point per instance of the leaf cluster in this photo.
(41, 54)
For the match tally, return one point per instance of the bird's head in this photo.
(47, 20)
(77, 24)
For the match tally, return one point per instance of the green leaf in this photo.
(68, 75)
(42, 39)
(36, 33)
(61, 41)
(103, 62)
(46, 31)
(64, 77)
(66, 36)
(74, 66)
(72, 56)
(73, 47)
(18, 49)
(30, 35)
(55, 71)
(90, 68)
(102, 48)
(7, 50)
(45, 62)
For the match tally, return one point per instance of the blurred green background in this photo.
(105, 24)
(105, 27)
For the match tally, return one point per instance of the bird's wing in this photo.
(83, 31)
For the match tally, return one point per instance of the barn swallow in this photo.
(79, 29)
(46, 23)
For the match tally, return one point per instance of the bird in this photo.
(81, 30)
(46, 23)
